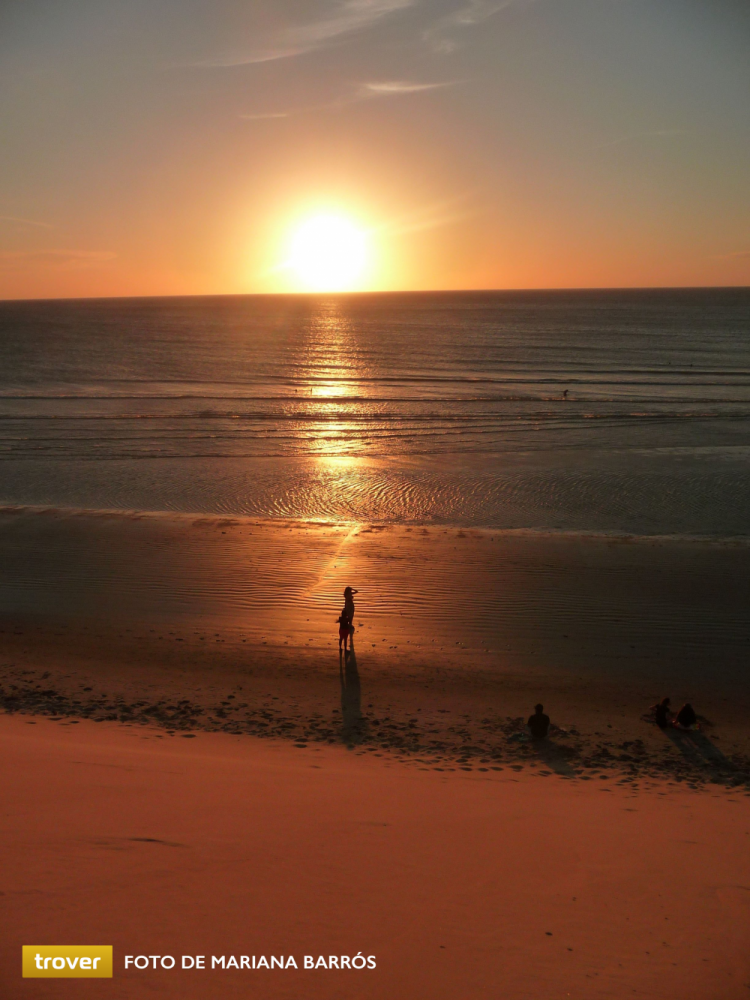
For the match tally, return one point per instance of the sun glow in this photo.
(329, 254)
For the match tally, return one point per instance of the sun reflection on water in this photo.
(332, 390)
(332, 368)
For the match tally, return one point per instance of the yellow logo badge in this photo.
(67, 961)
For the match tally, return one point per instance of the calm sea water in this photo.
(601, 411)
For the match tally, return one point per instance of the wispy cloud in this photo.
(735, 255)
(661, 133)
(433, 216)
(442, 36)
(391, 88)
(55, 258)
(345, 18)
(369, 90)
(17, 220)
(263, 116)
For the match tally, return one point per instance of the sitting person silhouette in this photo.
(686, 717)
(663, 713)
(538, 723)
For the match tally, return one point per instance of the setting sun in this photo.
(329, 254)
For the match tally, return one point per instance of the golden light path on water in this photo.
(339, 373)
(333, 390)
(346, 397)
(334, 372)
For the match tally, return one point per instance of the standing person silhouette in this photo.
(346, 618)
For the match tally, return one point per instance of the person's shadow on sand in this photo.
(699, 750)
(551, 754)
(351, 697)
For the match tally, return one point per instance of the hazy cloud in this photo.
(664, 133)
(735, 255)
(262, 116)
(387, 88)
(362, 92)
(55, 258)
(25, 222)
(442, 35)
(345, 19)
(433, 216)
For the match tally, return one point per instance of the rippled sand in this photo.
(665, 492)
(231, 623)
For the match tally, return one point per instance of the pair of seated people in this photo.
(685, 718)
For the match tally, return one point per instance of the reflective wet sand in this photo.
(458, 634)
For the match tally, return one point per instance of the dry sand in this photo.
(462, 885)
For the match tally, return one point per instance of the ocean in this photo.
(602, 411)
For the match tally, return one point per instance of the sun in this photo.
(329, 254)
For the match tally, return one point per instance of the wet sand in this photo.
(461, 885)
(205, 624)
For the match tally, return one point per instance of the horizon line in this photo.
(395, 291)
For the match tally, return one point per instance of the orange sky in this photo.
(176, 148)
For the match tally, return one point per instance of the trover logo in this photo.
(67, 961)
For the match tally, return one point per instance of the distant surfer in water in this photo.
(346, 618)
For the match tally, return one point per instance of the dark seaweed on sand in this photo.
(436, 740)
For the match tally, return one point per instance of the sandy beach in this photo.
(227, 624)
(191, 768)
(470, 885)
